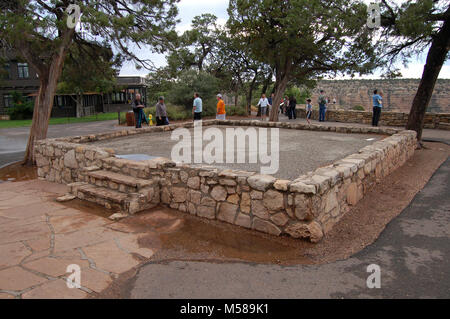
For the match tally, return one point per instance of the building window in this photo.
(7, 100)
(22, 70)
(7, 71)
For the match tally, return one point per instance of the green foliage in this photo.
(191, 81)
(300, 94)
(305, 38)
(235, 110)
(90, 68)
(408, 29)
(22, 107)
(358, 108)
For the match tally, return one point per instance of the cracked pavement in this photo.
(40, 237)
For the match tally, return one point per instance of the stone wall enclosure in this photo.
(306, 207)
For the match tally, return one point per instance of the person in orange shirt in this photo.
(220, 115)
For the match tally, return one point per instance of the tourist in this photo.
(271, 99)
(263, 103)
(198, 107)
(138, 110)
(377, 105)
(286, 105)
(161, 112)
(292, 107)
(322, 106)
(308, 110)
(221, 113)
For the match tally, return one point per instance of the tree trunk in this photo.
(435, 59)
(43, 107)
(79, 102)
(250, 94)
(281, 87)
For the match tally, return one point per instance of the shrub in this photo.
(235, 110)
(358, 108)
(191, 81)
(22, 107)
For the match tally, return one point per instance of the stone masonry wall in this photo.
(398, 94)
(432, 120)
(306, 207)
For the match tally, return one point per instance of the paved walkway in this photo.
(39, 238)
(13, 141)
(413, 253)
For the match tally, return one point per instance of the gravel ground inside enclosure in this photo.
(300, 151)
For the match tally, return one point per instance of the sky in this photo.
(188, 9)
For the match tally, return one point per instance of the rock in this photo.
(208, 201)
(313, 231)
(227, 182)
(281, 184)
(195, 197)
(194, 182)
(273, 200)
(70, 160)
(219, 193)
(302, 209)
(330, 201)
(191, 209)
(265, 226)
(184, 176)
(352, 194)
(245, 203)
(118, 216)
(259, 210)
(227, 212)
(179, 194)
(261, 182)
(206, 212)
(323, 182)
(234, 199)
(256, 195)
(65, 198)
(300, 187)
(243, 221)
(279, 219)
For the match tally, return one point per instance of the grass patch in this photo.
(62, 120)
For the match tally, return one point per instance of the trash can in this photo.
(130, 119)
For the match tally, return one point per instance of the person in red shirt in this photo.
(221, 113)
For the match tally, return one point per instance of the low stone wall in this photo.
(306, 207)
(432, 120)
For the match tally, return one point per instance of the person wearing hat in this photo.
(161, 112)
(221, 113)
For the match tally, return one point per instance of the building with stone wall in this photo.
(398, 94)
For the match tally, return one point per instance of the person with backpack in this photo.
(322, 106)
(377, 105)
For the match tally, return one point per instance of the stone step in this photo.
(124, 202)
(116, 181)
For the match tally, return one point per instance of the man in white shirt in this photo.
(263, 103)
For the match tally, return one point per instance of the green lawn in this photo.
(62, 120)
